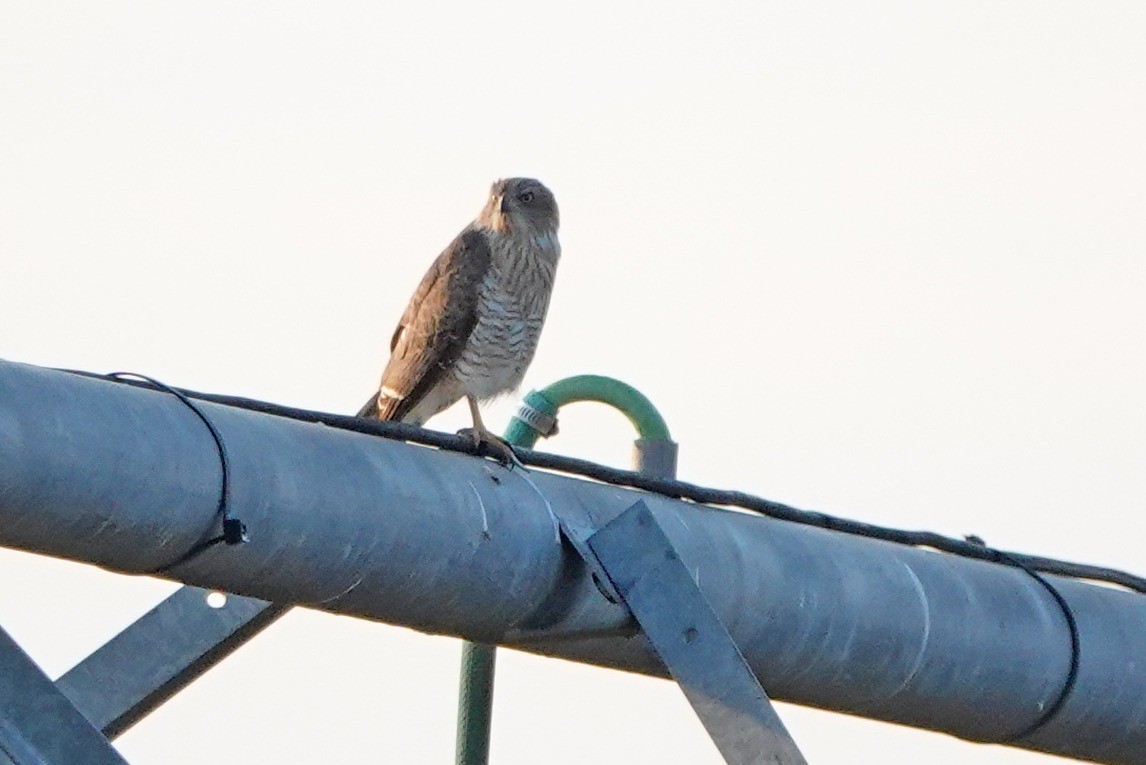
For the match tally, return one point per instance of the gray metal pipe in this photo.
(128, 479)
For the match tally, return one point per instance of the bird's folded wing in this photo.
(434, 329)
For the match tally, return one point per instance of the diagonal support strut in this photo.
(688, 636)
(38, 725)
(161, 653)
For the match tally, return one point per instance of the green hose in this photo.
(536, 419)
(626, 399)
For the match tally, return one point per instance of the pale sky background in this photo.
(885, 260)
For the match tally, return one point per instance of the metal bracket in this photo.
(38, 725)
(689, 637)
(161, 653)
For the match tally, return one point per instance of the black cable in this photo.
(233, 530)
(675, 489)
(1075, 651)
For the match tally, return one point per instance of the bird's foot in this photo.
(487, 444)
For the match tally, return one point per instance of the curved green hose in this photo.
(629, 401)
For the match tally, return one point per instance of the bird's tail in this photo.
(389, 409)
(370, 408)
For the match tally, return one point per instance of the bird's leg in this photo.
(481, 435)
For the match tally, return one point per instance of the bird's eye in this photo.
(525, 197)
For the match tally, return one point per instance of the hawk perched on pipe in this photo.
(472, 326)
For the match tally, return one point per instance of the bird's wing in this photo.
(434, 329)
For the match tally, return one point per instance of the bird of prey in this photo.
(472, 326)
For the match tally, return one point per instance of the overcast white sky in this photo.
(882, 259)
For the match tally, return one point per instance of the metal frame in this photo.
(128, 479)
(160, 654)
(38, 725)
(696, 648)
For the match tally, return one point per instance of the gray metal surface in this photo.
(689, 638)
(38, 726)
(128, 479)
(655, 458)
(160, 654)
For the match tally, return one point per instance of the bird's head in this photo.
(521, 205)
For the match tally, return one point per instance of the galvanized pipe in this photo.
(128, 479)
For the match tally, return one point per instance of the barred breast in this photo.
(512, 303)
